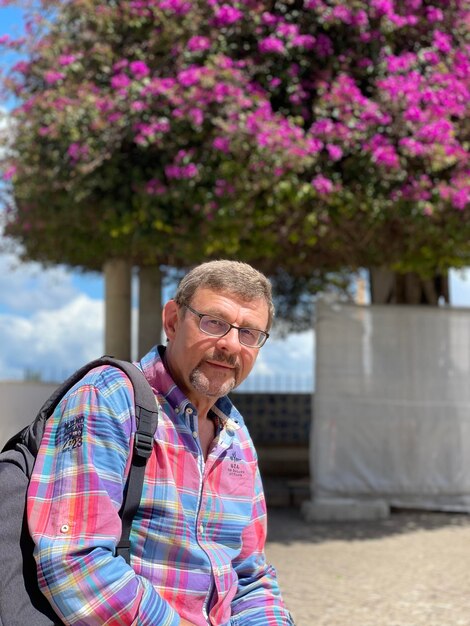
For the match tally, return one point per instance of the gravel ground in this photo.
(412, 569)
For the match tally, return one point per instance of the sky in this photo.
(52, 320)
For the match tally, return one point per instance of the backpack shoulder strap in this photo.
(147, 411)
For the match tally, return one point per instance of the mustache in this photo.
(221, 357)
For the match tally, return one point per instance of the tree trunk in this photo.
(387, 287)
(150, 308)
(117, 274)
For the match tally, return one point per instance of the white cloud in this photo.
(27, 287)
(51, 343)
(284, 364)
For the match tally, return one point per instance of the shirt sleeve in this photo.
(73, 501)
(258, 601)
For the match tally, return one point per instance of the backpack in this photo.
(21, 601)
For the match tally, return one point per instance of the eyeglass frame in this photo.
(200, 315)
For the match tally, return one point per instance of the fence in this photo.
(279, 423)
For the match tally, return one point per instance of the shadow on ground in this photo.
(286, 525)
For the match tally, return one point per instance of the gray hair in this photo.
(231, 277)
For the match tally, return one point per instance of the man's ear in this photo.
(170, 318)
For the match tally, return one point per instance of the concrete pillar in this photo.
(150, 308)
(117, 274)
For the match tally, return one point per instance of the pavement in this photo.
(411, 569)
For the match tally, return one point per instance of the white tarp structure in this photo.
(392, 406)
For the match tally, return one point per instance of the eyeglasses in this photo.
(216, 327)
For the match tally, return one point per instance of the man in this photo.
(197, 541)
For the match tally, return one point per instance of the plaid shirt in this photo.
(197, 540)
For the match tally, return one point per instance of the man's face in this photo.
(204, 366)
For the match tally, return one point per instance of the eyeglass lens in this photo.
(216, 327)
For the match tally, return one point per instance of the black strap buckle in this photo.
(143, 445)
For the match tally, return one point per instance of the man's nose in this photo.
(230, 341)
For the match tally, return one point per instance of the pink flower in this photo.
(442, 41)
(189, 77)
(413, 147)
(400, 63)
(196, 115)
(76, 151)
(181, 172)
(385, 155)
(138, 105)
(120, 81)
(269, 19)
(383, 7)
(223, 188)
(120, 65)
(314, 145)
(414, 114)
(197, 44)
(313, 4)
(179, 7)
(139, 69)
(114, 117)
(104, 105)
(10, 172)
(324, 46)
(431, 57)
(155, 187)
(322, 185)
(334, 152)
(304, 41)
(51, 77)
(434, 14)
(287, 30)
(226, 15)
(271, 44)
(21, 67)
(343, 14)
(222, 144)
(360, 18)
(461, 198)
(439, 131)
(67, 59)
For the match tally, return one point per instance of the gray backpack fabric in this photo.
(21, 601)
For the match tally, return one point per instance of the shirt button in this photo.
(201, 529)
(189, 410)
(194, 434)
(64, 528)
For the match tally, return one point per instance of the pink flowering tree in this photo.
(125, 144)
(378, 93)
(300, 136)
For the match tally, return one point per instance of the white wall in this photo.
(19, 404)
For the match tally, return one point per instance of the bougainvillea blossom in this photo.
(321, 106)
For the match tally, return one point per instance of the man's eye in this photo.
(215, 324)
(249, 334)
